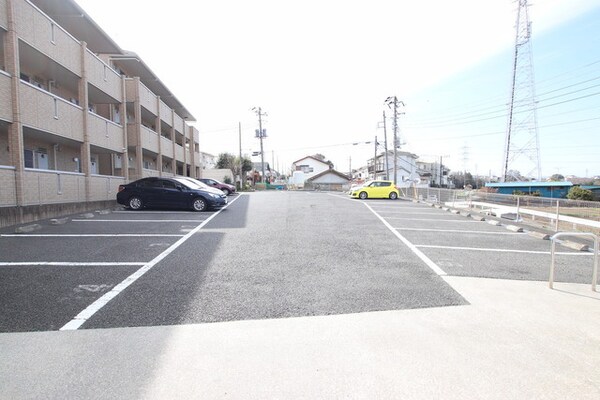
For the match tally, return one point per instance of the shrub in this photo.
(577, 193)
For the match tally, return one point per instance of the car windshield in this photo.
(192, 184)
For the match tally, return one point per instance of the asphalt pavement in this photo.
(294, 295)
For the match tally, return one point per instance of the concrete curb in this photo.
(514, 228)
(59, 221)
(477, 217)
(87, 215)
(574, 245)
(539, 235)
(494, 222)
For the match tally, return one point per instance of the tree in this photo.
(556, 178)
(515, 176)
(321, 157)
(231, 162)
(577, 193)
(246, 164)
(226, 161)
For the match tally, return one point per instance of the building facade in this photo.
(555, 190)
(307, 167)
(78, 115)
(404, 165)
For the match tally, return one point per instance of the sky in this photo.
(322, 69)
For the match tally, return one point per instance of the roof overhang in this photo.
(135, 66)
(71, 17)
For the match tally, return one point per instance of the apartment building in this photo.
(79, 115)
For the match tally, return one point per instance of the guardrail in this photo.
(552, 252)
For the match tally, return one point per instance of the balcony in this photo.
(149, 140)
(166, 114)
(103, 77)
(147, 98)
(5, 97)
(179, 153)
(105, 133)
(47, 112)
(166, 146)
(3, 15)
(43, 34)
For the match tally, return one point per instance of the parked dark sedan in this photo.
(225, 187)
(168, 193)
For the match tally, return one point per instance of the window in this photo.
(53, 33)
(169, 185)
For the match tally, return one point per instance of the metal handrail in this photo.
(595, 268)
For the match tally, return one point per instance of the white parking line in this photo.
(428, 246)
(69, 264)
(410, 213)
(152, 212)
(458, 231)
(412, 247)
(435, 220)
(90, 235)
(97, 305)
(138, 220)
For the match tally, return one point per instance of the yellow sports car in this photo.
(376, 190)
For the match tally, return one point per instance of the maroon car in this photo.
(224, 187)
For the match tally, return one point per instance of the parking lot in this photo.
(277, 256)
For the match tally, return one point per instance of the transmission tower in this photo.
(522, 142)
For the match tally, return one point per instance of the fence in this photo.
(547, 213)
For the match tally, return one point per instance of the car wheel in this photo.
(135, 203)
(393, 195)
(226, 191)
(363, 195)
(199, 204)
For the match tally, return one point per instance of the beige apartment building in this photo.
(79, 115)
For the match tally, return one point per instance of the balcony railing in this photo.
(50, 113)
(105, 133)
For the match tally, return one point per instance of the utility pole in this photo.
(393, 101)
(375, 160)
(441, 171)
(261, 133)
(387, 165)
(241, 161)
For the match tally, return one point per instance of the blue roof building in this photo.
(553, 190)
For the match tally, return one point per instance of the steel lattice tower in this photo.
(522, 142)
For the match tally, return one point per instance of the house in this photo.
(433, 173)
(556, 190)
(328, 180)
(306, 168)
(207, 160)
(404, 166)
(78, 115)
